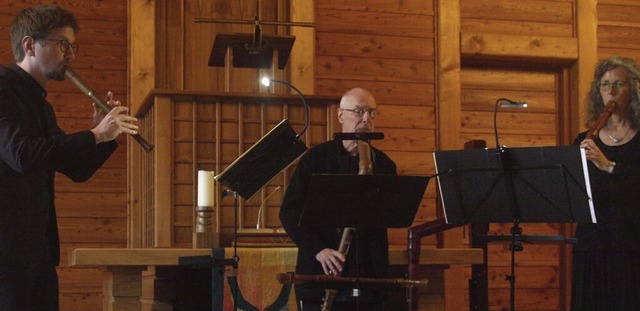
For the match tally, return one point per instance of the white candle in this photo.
(206, 193)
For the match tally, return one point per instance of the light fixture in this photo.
(266, 81)
(504, 103)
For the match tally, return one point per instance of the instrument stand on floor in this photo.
(535, 184)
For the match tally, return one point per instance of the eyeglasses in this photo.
(361, 111)
(65, 45)
(606, 85)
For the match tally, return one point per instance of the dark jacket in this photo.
(372, 245)
(32, 149)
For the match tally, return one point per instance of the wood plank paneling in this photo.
(517, 27)
(559, 12)
(520, 48)
(392, 70)
(378, 46)
(620, 13)
(95, 205)
(421, 7)
(387, 92)
(623, 37)
(378, 23)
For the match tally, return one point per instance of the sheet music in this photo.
(587, 182)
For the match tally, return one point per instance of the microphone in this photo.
(504, 103)
(358, 136)
(259, 222)
(266, 81)
(227, 192)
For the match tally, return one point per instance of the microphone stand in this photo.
(267, 81)
(260, 222)
(235, 258)
(505, 166)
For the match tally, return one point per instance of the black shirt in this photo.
(370, 245)
(32, 149)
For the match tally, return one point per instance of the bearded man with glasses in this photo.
(33, 149)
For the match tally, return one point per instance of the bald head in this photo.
(356, 114)
(357, 96)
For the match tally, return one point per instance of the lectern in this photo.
(247, 53)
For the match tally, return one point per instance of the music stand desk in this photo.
(274, 152)
(371, 201)
(551, 184)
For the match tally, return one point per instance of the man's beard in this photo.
(57, 74)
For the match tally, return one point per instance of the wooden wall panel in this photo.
(340, 20)
(540, 11)
(405, 93)
(392, 70)
(618, 29)
(420, 7)
(516, 27)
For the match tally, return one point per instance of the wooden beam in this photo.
(302, 57)
(513, 47)
(448, 105)
(580, 74)
(163, 172)
(142, 28)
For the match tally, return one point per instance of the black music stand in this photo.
(551, 184)
(253, 169)
(534, 184)
(363, 201)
